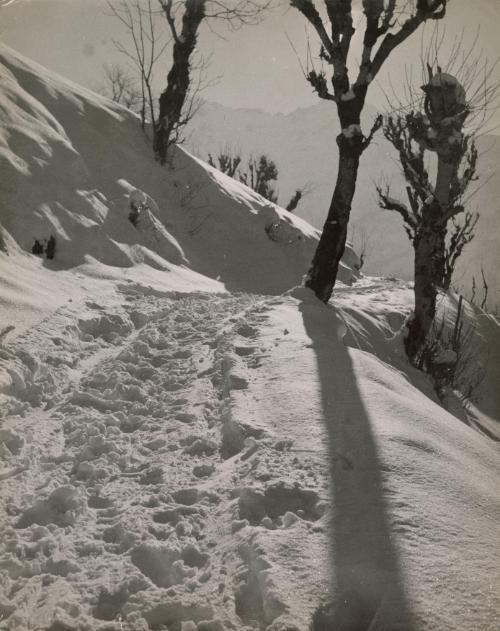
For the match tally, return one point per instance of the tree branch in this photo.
(237, 12)
(398, 133)
(340, 16)
(309, 11)
(320, 85)
(167, 5)
(377, 124)
(426, 10)
(390, 203)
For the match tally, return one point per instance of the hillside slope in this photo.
(71, 161)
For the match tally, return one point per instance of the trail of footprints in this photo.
(135, 508)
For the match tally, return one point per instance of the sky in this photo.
(254, 67)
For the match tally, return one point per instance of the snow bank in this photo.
(70, 160)
(375, 310)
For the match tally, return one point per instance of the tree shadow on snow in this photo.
(367, 590)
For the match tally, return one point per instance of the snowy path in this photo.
(112, 484)
(201, 462)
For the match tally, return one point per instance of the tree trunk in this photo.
(325, 264)
(428, 277)
(439, 259)
(173, 98)
(445, 171)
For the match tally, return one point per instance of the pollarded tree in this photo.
(435, 202)
(184, 18)
(386, 27)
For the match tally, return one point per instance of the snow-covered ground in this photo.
(190, 443)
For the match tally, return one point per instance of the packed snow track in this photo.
(122, 476)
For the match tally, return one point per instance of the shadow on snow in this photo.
(367, 591)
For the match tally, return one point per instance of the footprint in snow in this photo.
(245, 330)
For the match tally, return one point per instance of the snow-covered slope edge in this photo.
(70, 160)
(375, 311)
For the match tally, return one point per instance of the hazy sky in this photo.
(256, 65)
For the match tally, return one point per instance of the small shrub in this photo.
(453, 359)
(37, 248)
(50, 249)
(294, 201)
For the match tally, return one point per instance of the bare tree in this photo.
(432, 205)
(360, 240)
(387, 25)
(184, 18)
(148, 46)
(435, 219)
(120, 86)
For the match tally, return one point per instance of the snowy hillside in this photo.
(303, 145)
(71, 159)
(191, 442)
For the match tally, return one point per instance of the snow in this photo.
(446, 80)
(352, 130)
(349, 95)
(190, 440)
(72, 158)
(446, 356)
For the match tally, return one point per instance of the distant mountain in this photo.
(303, 146)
